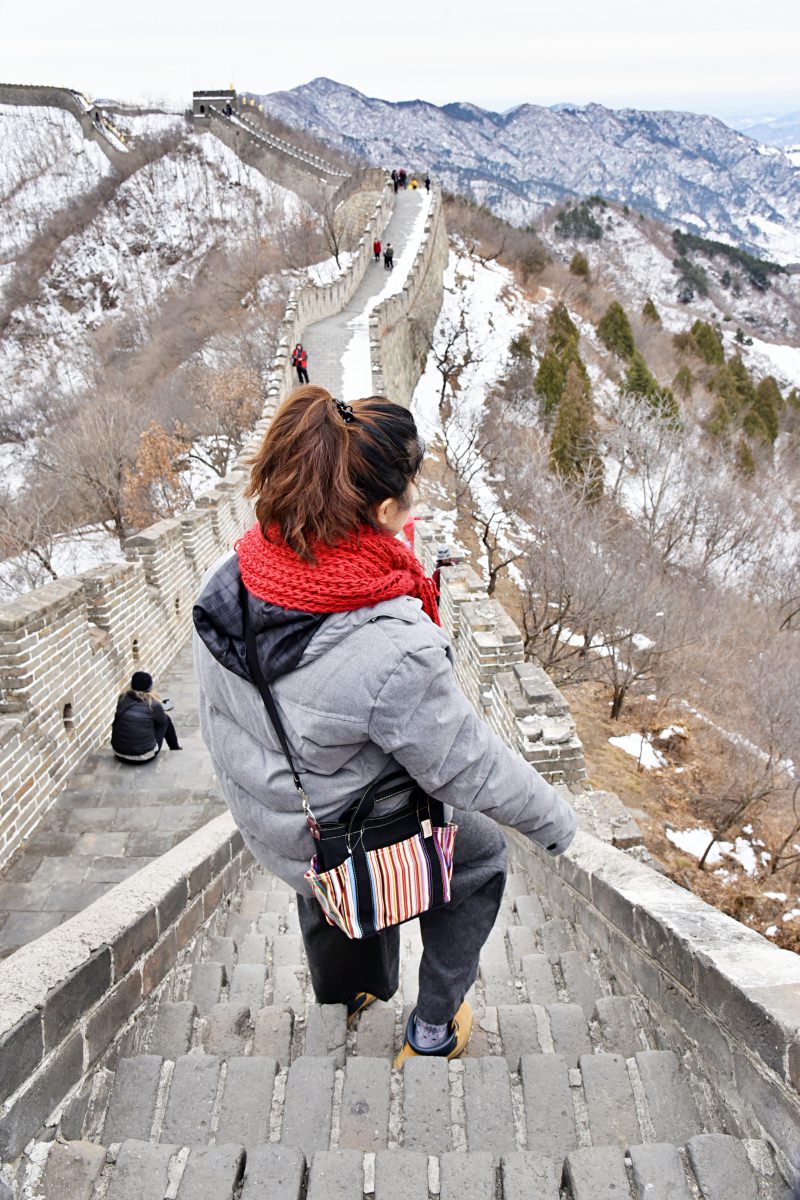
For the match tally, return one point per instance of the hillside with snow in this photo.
(687, 169)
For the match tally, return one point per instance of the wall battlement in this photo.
(94, 122)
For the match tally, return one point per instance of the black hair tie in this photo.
(346, 411)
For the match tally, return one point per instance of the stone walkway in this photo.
(238, 1085)
(110, 821)
(327, 340)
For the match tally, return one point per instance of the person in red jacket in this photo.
(376, 249)
(300, 361)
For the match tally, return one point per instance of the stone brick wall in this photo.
(516, 698)
(72, 102)
(67, 998)
(400, 327)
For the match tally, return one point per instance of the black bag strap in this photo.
(269, 704)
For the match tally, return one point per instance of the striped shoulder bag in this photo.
(371, 871)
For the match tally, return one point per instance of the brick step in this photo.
(713, 1166)
(490, 1103)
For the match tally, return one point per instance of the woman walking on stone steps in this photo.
(141, 726)
(388, 257)
(300, 363)
(344, 628)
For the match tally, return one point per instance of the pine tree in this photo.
(761, 419)
(615, 331)
(638, 380)
(683, 382)
(734, 384)
(572, 449)
(549, 381)
(579, 265)
(561, 331)
(708, 343)
(650, 312)
(744, 459)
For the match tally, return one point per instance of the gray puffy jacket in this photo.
(358, 692)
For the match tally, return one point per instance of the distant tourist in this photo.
(376, 249)
(427, 183)
(395, 182)
(402, 178)
(300, 363)
(388, 257)
(414, 184)
(228, 110)
(141, 726)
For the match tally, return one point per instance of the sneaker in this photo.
(455, 1044)
(359, 1002)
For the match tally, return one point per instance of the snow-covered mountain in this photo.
(782, 131)
(689, 170)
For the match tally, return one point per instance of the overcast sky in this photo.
(726, 58)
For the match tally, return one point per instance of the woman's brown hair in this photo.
(323, 467)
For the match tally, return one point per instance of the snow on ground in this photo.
(356, 363)
(695, 841)
(639, 748)
(72, 554)
(147, 125)
(323, 273)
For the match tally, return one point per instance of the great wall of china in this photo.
(602, 964)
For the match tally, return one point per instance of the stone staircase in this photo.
(236, 1085)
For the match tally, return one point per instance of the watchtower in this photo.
(206, 98)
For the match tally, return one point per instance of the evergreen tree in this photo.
(520, 347)
(615, 331)
(744, 459)
(579, 265)
(572, 446)
(761, 419)
(561, 330)
(735, 385)
(719, 419)
(683, 382)
(638, 380)
(793, 399)
(708, 343)
(650, 312)
(549, 381)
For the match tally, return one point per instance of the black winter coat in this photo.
(138, 726)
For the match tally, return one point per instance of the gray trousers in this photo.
(452, 936)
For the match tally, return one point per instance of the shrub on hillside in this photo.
(683, 382)
(579, 265)
(707, 342)
(578, 223)
(650, 312)
(615, 331)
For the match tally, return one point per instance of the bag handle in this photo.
(362, 810)
(269, 704)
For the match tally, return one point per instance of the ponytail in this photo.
(322, 468)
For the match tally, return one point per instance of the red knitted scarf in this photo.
(352, 574)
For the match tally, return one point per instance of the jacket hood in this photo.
(284, 636)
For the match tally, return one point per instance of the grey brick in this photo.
(549, 1111)
(530, 911)
(133, 1099)
(211, 1172)
(467, 1177)
(273, 1171)
(518, 1032)
(227, 1028)
(259, 882)
(220, 950)
(522, 941)
(496, 971)
(597, 1174)
(539, 982)
(19, 1123)
(72, 1168)
(401, 1174)
(273, 1035)
(583, 985)
(426, 1107)
(326, 1031)
(252, 905)
(187, 1120)
(722, 1167)
(669, 1098)
(237, 927)
(516, 885)
(570, 1032)
(287, 950)
(556, 937)
(364, 1119)
(658, 1173)
(21, 1050)
(487, 1098)
(527, 1175)
(609, 1100)
(72, 998)
(336, 1175)
(141, 1172)
(246, 1101)
(308, 1106)
(375, 1031)
(247, 985)
(172, 1033)
(616, 1018)
(269, 923)
(288, 987)
(205, 985)
(253, 949)
(278, 902)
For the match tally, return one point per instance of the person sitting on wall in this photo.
(141, 726)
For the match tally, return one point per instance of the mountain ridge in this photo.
(684, 168)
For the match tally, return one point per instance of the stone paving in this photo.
(327, 340)
(111, 820)
(238, 1085)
